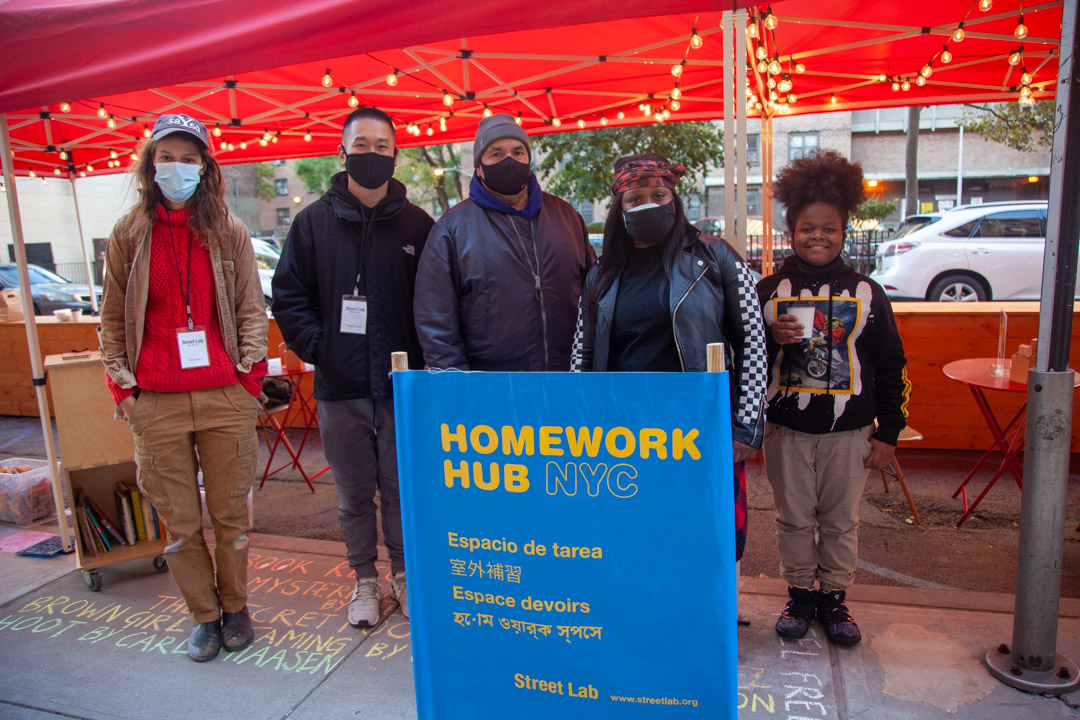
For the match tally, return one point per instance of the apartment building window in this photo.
(801, 144)
(283, 216)
(753, 201)
(281, 186)
(753, 149)
(585, 209)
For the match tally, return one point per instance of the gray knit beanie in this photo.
(494, 128)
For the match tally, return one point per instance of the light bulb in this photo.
(762, 66)
(926, 71)
(447, 99)
(65, 107)
(101, 113)
(32, 174)
(1015, 57)
(89, 168)
(905, 86)
(233, 147)
(773, 95)
(895, 86)
(696, 40)
(946, 56)
(920, 80)
(353, 101)
(266, 134)
(752, 30)
(1025, 77)
(676, 70)
(518, 119)
(792, 98)
(959, 34)
(63, 155)
(646, 108)
(327, 81)
(775, 68)
(111, 122)
(56, 171)
(113, 154)
(487, 111)
(1021, 30)
(391, 79)
(761, 53)
(580, 123)
(307, 136)
(882, 78)
(82, 173)
(771, 83)
(243, 145)
(770, 21)
(263, 142)
(1027, 101)
(556, 122)
(800, 68)
(134, 158)
(676, 105)
(442, 124)
(676, 93)
(217, 131)
(44, 181)
(784, 85)
(985, 5)
(621, 115)
(603, 120)
(430, 131)
(1025, 91)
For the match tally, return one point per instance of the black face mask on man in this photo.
(369, 170)
(650, 224)
(507, 177)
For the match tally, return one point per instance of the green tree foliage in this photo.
(874, 209)
(315, 172)
(264, 180)
(1011, 124)
(579, 164)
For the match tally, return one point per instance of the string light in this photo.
(959, 34)
(676, 70)
(243, 145)
(430, 130)
(113, 154)
(65, 107)
(791, 98)
(985, 5)
(146, 131)
(134, 158)
(266, 134)
(32, 173)
(762, 66)
(676, 93)
(895, 86)
(44, 181)
(752, 30)
(784, 85)
(276, 136)
(442, 124)
(353, 100)
(769, 20)
(1025, 91)
(906, 85)
(800, 68)
(603, 120)
(1016, 56)
(264, 142)
(56, 171)
(1021, 30)
(946, 56)
(774, 67)
(447, 99)
(231, 146)
(391, 79)
(1025, 78)
(518, 119)
(580, 123)
(82, 173)
(487, 111)
(327, 81)
(101, 112)
(696, 41)
(111, 122)
(920, 80)
(217, 130)
(1027, 101)
(676, 105)
(89, 168)
(621, 114)
(63, 155)
(307, 136)
(927, 70)
(556, 121)
(761, 53)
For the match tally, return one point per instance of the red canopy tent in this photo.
(276, 83)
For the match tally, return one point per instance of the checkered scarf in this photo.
(647, 173)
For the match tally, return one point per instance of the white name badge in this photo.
(193, 350)
(354, 314)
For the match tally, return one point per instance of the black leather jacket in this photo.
(712, 299)
(479, 305)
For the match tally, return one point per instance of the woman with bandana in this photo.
(659, 294)
(183, 339)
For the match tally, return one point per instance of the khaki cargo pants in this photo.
(176, 434)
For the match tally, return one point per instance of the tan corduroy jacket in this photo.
(241, 308)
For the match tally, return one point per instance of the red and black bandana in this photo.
(647, 173)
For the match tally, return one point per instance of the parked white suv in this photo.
(992, 251)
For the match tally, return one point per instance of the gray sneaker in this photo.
(399, 592)
(364, 607)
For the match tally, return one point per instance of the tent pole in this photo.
(740, 128)
(1033, 664)
(730, 64)
(82, 245)
(32, 341)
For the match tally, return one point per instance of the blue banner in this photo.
(570, 543)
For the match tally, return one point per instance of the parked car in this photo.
(266, 258)
(755, 226)
(991, 251)
(48, 290)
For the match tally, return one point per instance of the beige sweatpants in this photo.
(176, 434)
(817, 483)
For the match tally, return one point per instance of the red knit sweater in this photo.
(158, 366)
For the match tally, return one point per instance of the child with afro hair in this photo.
(837, 396)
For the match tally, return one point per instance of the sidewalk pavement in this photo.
(121, 653)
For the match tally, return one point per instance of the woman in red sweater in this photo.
(183, 339)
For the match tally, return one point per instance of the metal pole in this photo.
(82, 245)
(960, 169)
(32, 342)
(740, 127)
(766, 199)
(730, 65)
(1032, 664)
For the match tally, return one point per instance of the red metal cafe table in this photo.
(299, 405)
(1008, 439)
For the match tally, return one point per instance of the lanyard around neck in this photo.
(185, 292)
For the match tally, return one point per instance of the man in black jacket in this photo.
(498, 286)
(343, 299)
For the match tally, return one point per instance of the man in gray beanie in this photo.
(501, 273)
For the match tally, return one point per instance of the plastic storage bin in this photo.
(25, 498)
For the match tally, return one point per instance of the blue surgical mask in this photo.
(177, 180)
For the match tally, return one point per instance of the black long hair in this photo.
(617, 245)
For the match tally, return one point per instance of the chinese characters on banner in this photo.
(554, 522)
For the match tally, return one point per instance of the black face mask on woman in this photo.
(507, 177)
(650, 224)
(370, 170)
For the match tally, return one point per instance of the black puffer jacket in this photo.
(712, 300)
(479, 305)
(319, 265)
